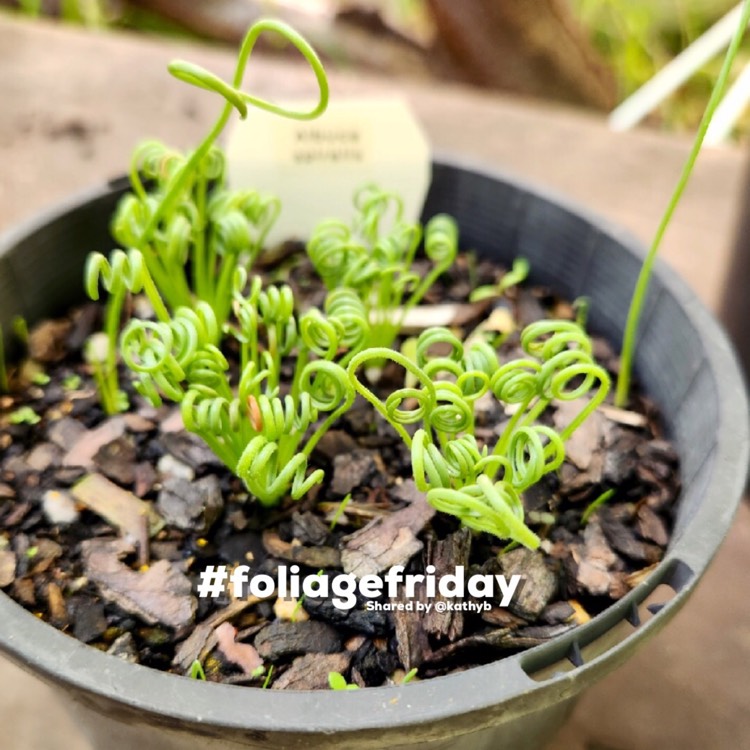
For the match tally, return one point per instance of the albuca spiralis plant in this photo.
(186, 233)
(252, 428)
(482, 487)
(190, 245)
(375, 255)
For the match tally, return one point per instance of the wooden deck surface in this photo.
(73, 104)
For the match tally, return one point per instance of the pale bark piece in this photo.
(290, 609)
(623, 416)
(173, 423)
(42, 456)
(586, 441)
(88, 444)
(388, 541)
(310, 672)
(203, 638)
(160, 595)
(170, 468)
(135, 519)
(58, 613)
(352, 470)
(243, 655)
(66, 432)
(448, 315)
(137, 423)
(595, 561)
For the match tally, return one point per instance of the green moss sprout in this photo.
(409, 676)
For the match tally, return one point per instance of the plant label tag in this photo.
(315, 167)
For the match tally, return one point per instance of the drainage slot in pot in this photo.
(592, 641)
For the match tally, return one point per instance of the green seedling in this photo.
(301, 600)
(21, 329)
(24, 415)
(72, 382)
(638, 301)
(340, 511)
(196, 671)
(409, 676)
(337, 681)
(595, 504)
(267, 681)
(517, 275)
(102, 359)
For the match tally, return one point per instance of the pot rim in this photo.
(62, 659)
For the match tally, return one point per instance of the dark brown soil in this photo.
(115, 561)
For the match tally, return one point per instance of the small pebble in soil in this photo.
(59, 508)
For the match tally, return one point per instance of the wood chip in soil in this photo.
(160, 594)
(387, 541)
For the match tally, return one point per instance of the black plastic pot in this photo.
(686, 365)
